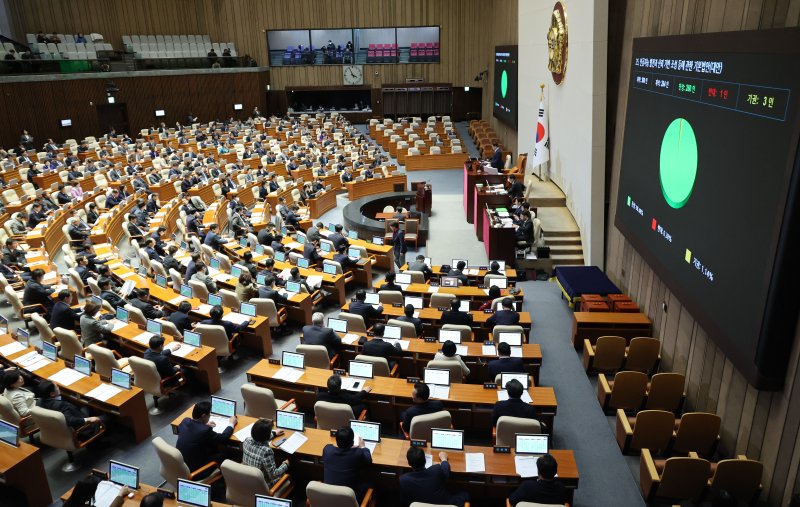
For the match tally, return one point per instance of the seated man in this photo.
(409, 317)
(197, 439)
(428, 485)
(421, 405)
(458, 272)
(376, 347)
(160, 356)
(513, 406)
(344, 462)
(38, 293)
(63, 315)
(335, 394)
(213, 239)
(169, 261)
(418, 264)
(311, 251)
(455, 316)
(50, 399)
(504, 362)
(107, 293)
(543, 489)
(504, 317)
(343, 259)
(201, 275)
(138, 299)
(360, 307)
(318, 334)
(388, 283)
(180, 317)
(268, 291)
(231, 329)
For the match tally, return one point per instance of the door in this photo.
(112, 116)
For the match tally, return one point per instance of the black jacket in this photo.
(269, 293)
(429, 485)
(342, 467)
(181, 321)
(378, 348)
(505, 365)
(538, 491)
(74, 417)
(456, 317)
(36, 293)
(344, 397)
(316, 335)
(365, 310)
(417, 323)
(147, 309)
(63, 316)
(113, 298)
(503, 318)
(198, 442)
(162, 362)
(513, 407)
(427, 407)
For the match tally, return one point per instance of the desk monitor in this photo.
(293, 287)
(332, 227)
(215, 300)
(328, 268)
(361, 369)
(301, 238)
(303, 263)
(236, 271)
(280, 256)
(502, 264)
(122, 474)
(4, 321)
(373, 298)
(153, 327)
(352, 234)
(223, 407)
(507, 377)
(9, 434)
(528, 443)
(94, 299)
(293, 359)
(213, 263)
(500, 283)
(261, 279)
(82, 365)
(159, 113)
(437, 376)
(463, 306)
(513, 339)
(290, 420)
(260, 249)
(248, 309)
(449, 281)
(447, 439)
(191, 338)
(370, 431)
(184, 246)
(456, 261)
(416, 302)
(354, 253)
(428, 262)
(195, 494)
(243, 242)
(392, 332)
(120, 379)
(23, 336)
(271, 501)
(284, 231)
(122, 315)
(186, 291)
(49, 351)
(377, 240)
(338, 325)
(161, 281)
(402, 278)
(454, 335)
(325, 246)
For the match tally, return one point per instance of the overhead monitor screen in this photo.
(504, 99)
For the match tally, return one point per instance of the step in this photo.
(548, 202)
(564, 240)
(567, 260)
(565, 249)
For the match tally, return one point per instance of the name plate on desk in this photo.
(442, 309)
(502, 449)
(490, 385)
(430, 339)
(484, 268)
(418, 443)
(275, 362)
(397, 305)
(434, 284)
(339, 371)
(488, 311)
(412, 380)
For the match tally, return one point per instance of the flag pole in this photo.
(541, 98)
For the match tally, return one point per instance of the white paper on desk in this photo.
(60, 287)
(236, 318)
(462, 350)
(294, 442)
(204, 308)
(486, 291)
(38, 364)
(404, 344)
(66, 377)
(293, 245)
(472, 272)
(244, 433)
(118, 324)
(50, 275)
(404, 286)
(369, 445)
(222, 277)
(502, 213)
(353, 384)
(127, 275)
(526, 466)
(288, 374)
(350, 338)
(115, 265)
(104, 392)
(12, 348)
(29, 358)
(416, 315)
(143, 338)
(220, 423)
(177, 300)
(127, 287)
(286, 273)
(314, 281)
(488, 350)
(106, 493)
(184, 350)
(516, 351)
(440, 392)
(37, 263)
(502, 395)
(428, 460)
(475, 462)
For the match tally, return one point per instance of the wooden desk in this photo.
(499, 242)
(205, 192)
(469, 404)
(143, 491)
(128, 407)
(471, 292)
(362, 271)
(321, 204)
(165, 190)
(22, 468)
(591, 325)
(357, 189)
(483, 199)
(46, 179)
(432, 162)
(471, 177)
(510, 272)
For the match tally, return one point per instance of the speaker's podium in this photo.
(423, 196)
(499, 235)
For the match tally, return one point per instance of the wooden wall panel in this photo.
(763, 425)
(38, 106)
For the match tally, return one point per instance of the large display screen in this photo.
(504, 99)
(708, 182)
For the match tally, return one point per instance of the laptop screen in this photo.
(328, 268)
(271, 501)
(261, 279)
(303, 263)
(223, 406)
(214, 263)
(293, 287)
(501, 283)
(359, 369)
(527, 443)
(280, 256)
(454, 335)
(447, 439)
(449, 281)
(353, 252)
(122, 474)
(456, 261)
(338, 325)
(122, 314)
(248, 309)
(82, 365)
(369, 431)
(194, 493)
(260, 249)
(325, 246)
(523, 378)
(437, 377)
(513, 339)
(402, 278)
(186, 291)
(49, 351)
(161, 281)
(392, 332)
(352, 234)
(153, 327)
(23, 336)
(243, 242)
(290, 420)
(191, 338)
(215, 300)
(372, 298)
(236, 271)
(293, 359)
(120, 379)
(377, 240)
(414, 301)
(9, 433)
(301, 238)
(463, 306)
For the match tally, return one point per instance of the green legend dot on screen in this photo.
(503, 84)
(678, 162)
(629, 200)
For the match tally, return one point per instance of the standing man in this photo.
(398, 245)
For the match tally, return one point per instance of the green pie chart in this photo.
(678, 162)
(503, 84)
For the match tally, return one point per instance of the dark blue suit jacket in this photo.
(428, 407)
(198, 442)
(230, 327)
(429, 485)
(343, 466)
(315, 335)
(63, 316)
(513, 407)
(505, 365)
(503, 318)
(365, 310)
(162, 362)
(497, 159)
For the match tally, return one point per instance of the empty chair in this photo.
(380, 366)
(136, 316)
(649, 429)
(389, 297)
(421, 425)
(199, 289)
(105, 360)
(147, 378)
(229, 298)
(665, 392)
(412, 231)
(23, 312)
(697, 432)
(626, 391)
(172, 466)
(319, 494)
(260, 402)
(507, 428)
(70, 344)
(355, 323)
(45, 333)
(316, 356)
(678, 479)
(243, 482)
(607, 355)
(330, 416)
(741, 477)
(9, 413)
(643, 355)
(216, 338)
(54, 432)
(266, 308)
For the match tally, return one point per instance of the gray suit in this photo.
(92, 330)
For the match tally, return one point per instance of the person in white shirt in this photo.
(21, 398)
(448, 353)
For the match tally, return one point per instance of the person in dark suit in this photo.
(409, 317)
(513, 406)
(133, 228)
(160, 356)
(497, 157)
(398, 244)
(505, 363)
(193, 224)
(138, 299)
(376, 347)
(422, 405)
(191, 266)
(428, 485)
(38, 293)
(197, 439)
(213, 239)
(335, 394)
(388, 283)
(343, 462)
(342, 258)
(231, 329)
(455, 316)
(265, 236)
(311, 251)
(267, 291)
(504, 317)
(359, 307)
(418, 264)
(338, 238)
(458, 272)
(107, 294)
(515, 188)
(524, 230)
(150, 249)
(543, 489)
(180, 317)
(62, 315)
(36, 215)
(169, 261)
(50, 399)
(318, 334)
(494, 269)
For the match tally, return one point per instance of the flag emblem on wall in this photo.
(541, 150)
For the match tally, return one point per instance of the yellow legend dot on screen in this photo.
(688, 255)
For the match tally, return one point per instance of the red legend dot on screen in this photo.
(654, 224)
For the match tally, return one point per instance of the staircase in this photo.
(561, 232)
